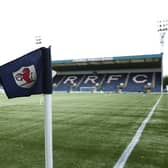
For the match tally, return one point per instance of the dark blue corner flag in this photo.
(27, 75)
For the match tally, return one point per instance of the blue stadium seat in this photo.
(132, 82)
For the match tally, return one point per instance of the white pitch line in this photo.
(124, 156)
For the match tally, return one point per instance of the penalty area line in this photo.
(128, 150)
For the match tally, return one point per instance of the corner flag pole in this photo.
(47, 122)
(48, 131)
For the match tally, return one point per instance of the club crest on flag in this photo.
(25, 76)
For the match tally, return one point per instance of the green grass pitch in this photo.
(89, 131)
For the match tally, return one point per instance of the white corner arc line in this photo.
(126, 153)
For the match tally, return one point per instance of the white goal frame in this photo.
(88, 89)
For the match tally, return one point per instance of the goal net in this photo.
(87, 89)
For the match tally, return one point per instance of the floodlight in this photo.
(162, 29)
(38, 40)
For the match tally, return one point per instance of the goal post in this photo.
(88, 89)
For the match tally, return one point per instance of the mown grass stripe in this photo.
(89, 130)
(125, 155)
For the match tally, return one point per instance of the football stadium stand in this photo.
(140, 73)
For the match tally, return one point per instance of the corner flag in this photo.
(27, 75)
(31, 74)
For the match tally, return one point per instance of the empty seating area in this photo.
(109, 82)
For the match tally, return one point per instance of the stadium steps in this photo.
(102, 81)
(81, 80)
(126, 80)
(62, 79)
(153, 80)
